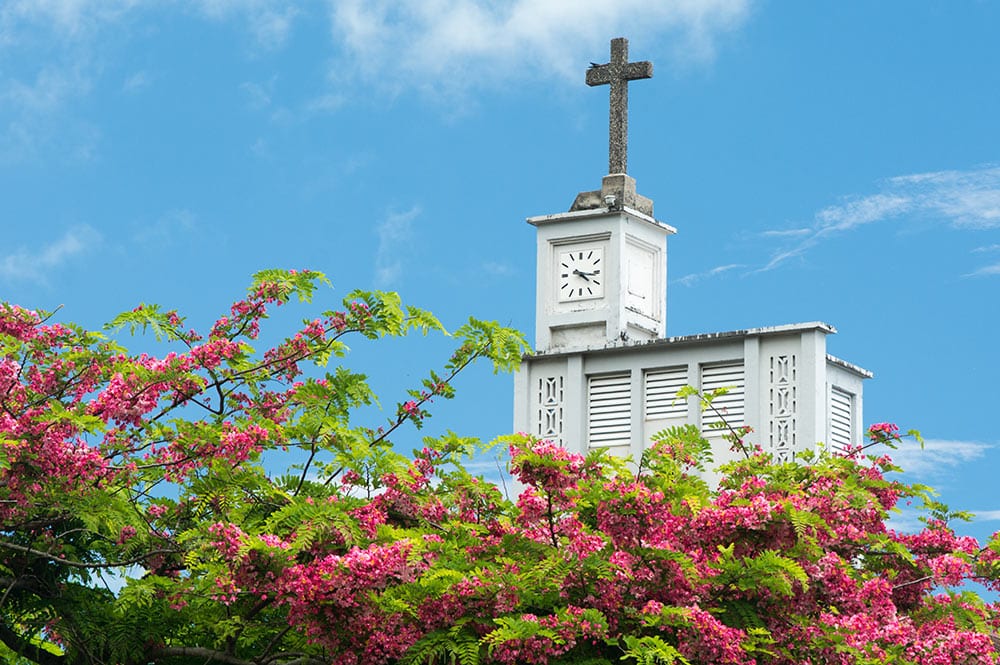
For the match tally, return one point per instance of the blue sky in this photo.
(834, 161)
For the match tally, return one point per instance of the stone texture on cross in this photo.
(617, 188)
(617, 74)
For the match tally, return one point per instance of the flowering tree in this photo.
(142, 521)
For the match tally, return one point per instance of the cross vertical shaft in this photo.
(617, 74)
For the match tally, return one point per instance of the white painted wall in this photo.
(634, 247)
(787, 372)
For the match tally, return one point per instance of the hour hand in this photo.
(582, 274)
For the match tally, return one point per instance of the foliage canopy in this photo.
(141, 520)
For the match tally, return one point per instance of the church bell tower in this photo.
(602, 266)
(605, 376)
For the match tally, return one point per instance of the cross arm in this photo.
(638, 70)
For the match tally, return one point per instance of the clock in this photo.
(580, 273)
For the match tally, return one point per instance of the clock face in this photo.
(580, 274)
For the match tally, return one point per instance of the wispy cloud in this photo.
(688, 280)
(444, 48)
(959, 199)
(30, 112)
(168, 228)
(454, 45)
(939, 457)
(54, 50)
(987, 270)
(50, 89)
(269, 21)
(937, 463)
(984, 271)
(48, 67)
(258, 95)
(787, 233)
(498, 268)
(34, 265)
(395, 233)
(73, 19)
(136, 82)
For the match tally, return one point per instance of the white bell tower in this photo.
(601, 269)
(604, 374)
(601, 272)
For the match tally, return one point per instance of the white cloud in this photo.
(136, 82)
(44, 46)
(861, 211)
(326, 103)
(985, 271)
(168, 228)
(938, 457)
(958, 199)
(69, 18)
(258, 96)
(54, 53)
(786, 233)
(34, 265)
(688, 280)
(51, 89)
(964, 198)
(271, 28)
(269, 21)
(447, 46)
(498, 268)
(395, 233)
(33, 116)
(937, 463)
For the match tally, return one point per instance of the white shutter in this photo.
(841, 419)
(609, 413)
(726, 375)
(661, 393)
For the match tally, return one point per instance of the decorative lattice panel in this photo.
(782, 406)
(550, 408)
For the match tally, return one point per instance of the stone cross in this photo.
(618, 73)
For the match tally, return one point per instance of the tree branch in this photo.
(213, 656)
(26, 648)
(299, 659)
(210, 655)
(80, 564)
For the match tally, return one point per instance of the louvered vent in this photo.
(727, 375)
(841, 419)
(661, 393)
(609, 410)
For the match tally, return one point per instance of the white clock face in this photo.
(580, 274)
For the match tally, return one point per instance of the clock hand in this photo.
(582, 274)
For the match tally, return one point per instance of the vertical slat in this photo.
(731, 405)
(662, 386)
(841, 418)
(609, 409)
